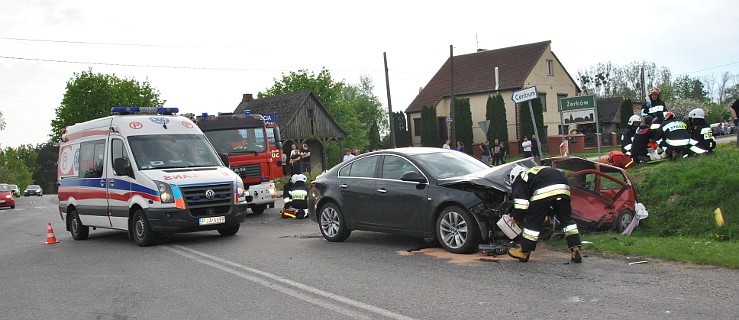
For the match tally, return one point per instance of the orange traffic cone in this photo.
(50, 238)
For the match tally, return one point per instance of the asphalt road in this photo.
(282, 269)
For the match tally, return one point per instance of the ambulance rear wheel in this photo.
(259, 208)
(142, 234)
(79, 232)
(230, 230)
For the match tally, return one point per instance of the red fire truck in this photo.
(252, 142)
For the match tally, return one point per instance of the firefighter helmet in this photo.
(697, 113)
(298, 177)
(669, 115)
(634, 119)
(654, 90)
(518, 170)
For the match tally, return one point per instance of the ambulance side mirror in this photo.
(122, 167)
(224, 159)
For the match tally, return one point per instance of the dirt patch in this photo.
(672, 199)
(478, 258)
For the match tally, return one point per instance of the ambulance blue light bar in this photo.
(143, 110)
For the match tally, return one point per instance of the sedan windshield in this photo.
(172, 151)
(449, 164)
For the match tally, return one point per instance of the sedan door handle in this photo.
(381, 190)
(344, 186)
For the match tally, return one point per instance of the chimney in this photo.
(247, 97)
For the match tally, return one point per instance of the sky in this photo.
(202, 56)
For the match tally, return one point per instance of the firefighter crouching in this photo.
(673, 137)
(701, 135)
(295, 195)
(536, 191)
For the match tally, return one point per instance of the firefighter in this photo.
(654, 107)
(643, 135)
(627, 137)
(673, 137)
(701, 135)
(536, 193)
(296, 197)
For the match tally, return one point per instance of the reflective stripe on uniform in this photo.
(656, 109)
(299, 194)
(654, 126)
(697, 150)
(628, 147)
(549, 191)
(570, 230)
(677, 142)
(530, 234)
(522, 204)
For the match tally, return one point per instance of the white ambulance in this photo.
(145, 174)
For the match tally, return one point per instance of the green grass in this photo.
(684, 249)
(682, 197)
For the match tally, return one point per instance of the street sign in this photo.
(449, 120)
(270, 118)
(484, 125)
(524, 95)
(578, 116)
(575, 103)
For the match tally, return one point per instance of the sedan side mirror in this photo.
(413, 176)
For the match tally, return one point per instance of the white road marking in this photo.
(223, 265)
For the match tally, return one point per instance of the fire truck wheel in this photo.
(79, 232)
(229, 231)
(259, 208)
(142, 234)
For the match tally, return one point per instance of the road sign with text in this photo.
(524, 95)
(575, 103)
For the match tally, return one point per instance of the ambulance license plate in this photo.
(212, 220)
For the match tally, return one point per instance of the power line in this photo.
(711, 68)
(105, 43)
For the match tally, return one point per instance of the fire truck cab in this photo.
(253, 152)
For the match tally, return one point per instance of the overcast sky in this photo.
(202, 56)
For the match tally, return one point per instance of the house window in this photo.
(543, 98)
(560, 96)
(550, 67)
(417, 127)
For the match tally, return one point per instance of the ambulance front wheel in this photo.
(79, 232)
(142, 234)
(230, 230)
(258, 208)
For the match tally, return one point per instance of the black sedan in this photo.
(442, 195)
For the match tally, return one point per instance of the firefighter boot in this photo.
(576, 255)
(519, 254)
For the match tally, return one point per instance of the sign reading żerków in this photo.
(524, 95)
(581, 102)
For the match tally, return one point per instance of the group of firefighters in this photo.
(659, 129)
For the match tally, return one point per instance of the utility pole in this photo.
(389, 103)
(451, 103)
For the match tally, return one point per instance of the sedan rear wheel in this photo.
(332, 223)
(457, 230)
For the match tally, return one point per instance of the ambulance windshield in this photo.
(172, 151)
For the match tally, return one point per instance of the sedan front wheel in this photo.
(457, 230)
(332, 224)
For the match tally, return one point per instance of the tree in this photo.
(496, 113)
(2, 121)
(606, 79)
(402, 136)
(463, 126)
(12, 169)
(47, 155)
(527, 127)
(627, 110)
(429, 129)
(689, 88)
(91, 95)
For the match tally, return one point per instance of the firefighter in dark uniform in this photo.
(536, 193)
(640, 144)
(673, 137)
(296, 197)
(627, 137)
(701, 135)
(654, 107)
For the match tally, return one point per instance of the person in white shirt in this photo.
(526, 144)
(447, 143)
(348, 156)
